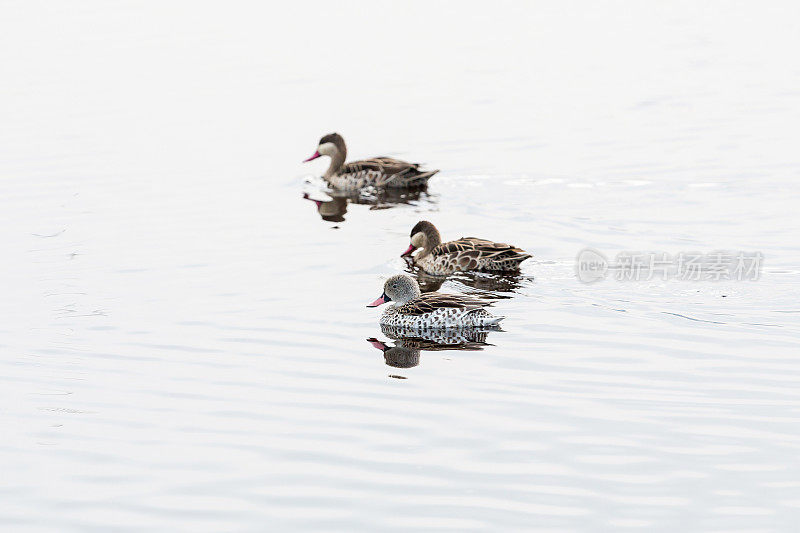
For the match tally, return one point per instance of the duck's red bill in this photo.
(377, 302)
(411, 248)
(316, 155)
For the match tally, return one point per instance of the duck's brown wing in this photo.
(389, 165)
(396, 171)
(474, 247)
(431, 301)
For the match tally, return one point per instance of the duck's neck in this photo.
(432, 240)
(337, 162)
(415, 293)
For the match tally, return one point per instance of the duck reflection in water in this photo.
(411, 341)
(495, 284)
(333, 210)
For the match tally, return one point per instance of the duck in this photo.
(432, 310)
(376, 172)
(462, 255)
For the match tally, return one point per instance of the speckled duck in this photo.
(413, 309)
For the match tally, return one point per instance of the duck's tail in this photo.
(482, 317)
(510, 261)
(493, 321)
(415, 180)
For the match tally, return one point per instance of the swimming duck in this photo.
(378, 171)
(464, 254)
(430, 310)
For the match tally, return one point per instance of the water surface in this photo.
(184, 337)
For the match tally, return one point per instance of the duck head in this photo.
(400, 288)
(423, 235)
(331, 145)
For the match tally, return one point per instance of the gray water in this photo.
(184, 338)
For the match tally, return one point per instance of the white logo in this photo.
(591, 266)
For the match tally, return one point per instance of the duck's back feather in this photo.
(388, 171)
(472, 253)
(483, 248)
(431, 301)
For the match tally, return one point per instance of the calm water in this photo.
(184, 337)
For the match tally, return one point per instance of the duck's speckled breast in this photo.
(439, 265)
(357, 180)
(449, 317)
